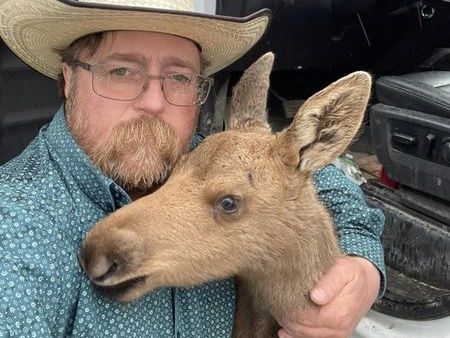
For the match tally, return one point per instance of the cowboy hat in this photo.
(36, 29)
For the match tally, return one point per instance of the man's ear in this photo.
(68, 75)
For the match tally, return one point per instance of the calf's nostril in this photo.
(109, 272)
(101, 268)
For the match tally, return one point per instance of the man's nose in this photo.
(152, 100)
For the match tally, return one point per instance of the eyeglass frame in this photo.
(91, 68)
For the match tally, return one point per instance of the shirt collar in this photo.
(73, 161)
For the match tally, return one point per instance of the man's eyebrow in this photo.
(134, 58)
(176, 61)
(142, 60)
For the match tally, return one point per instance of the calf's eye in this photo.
(229, 204)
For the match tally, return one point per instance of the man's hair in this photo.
(86, 45)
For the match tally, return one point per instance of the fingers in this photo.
(342, 297)
(337, 277)
(326, 322)
(334, 316)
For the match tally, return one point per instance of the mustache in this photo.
(139, 153)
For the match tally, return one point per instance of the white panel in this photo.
(377, 325)
(205, 6)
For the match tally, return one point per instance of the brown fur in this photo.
(278, 241)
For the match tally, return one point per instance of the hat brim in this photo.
(45, 26)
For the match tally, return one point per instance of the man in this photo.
(110, 143)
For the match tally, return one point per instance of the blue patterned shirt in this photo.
(51, 195)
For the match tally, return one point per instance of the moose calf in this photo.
(241, 204)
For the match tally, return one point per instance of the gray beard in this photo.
(138, 154)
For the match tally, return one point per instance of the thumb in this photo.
(336, 278)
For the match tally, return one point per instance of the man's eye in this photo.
(183, 78)
(120, 71)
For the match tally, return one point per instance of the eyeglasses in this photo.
(123, 83)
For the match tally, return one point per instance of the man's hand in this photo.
(343, 296)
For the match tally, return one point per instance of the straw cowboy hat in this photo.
(35, 29)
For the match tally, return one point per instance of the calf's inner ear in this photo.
(325, 124)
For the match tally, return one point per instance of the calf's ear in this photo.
(248, 103)
(325, 124)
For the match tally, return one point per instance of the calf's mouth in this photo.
(121, 291)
